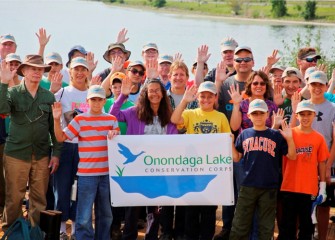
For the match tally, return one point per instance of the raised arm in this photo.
(57, 113)
(43, 40)
(286, 132)
(202, 58)
(236, 116)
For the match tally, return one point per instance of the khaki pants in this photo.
(17, 174)
(2, 180)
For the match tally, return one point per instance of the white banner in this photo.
(161, 170)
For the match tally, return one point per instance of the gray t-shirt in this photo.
(225, 103)
(155, 128)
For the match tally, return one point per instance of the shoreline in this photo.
(192, 14)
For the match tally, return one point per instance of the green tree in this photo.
(235, 6)
(278, 8)
(310, 9)
(159, 3)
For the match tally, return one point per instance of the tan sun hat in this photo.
(33, 61)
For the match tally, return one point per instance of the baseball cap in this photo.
(136, 63)
(257, 105)
(242, 48)
(72, 50)
(13, 57)
(318, 77)
(228, 43)
(149, 46)
(113, 46)
(79, 61)
(309, 72)
(7, 38)
(310, 54)
(292, 70)
(207, 87)
(96, 91)
(281, 68)
(305, 105)
(165, 58)
(118, 75)
(53, 57)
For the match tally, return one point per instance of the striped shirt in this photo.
(92, 131)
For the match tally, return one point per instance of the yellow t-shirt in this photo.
(197, 121)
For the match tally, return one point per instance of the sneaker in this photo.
(223, 235)
(63, 236)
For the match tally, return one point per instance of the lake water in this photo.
(94, 25)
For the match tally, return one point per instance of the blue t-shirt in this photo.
(262, 157)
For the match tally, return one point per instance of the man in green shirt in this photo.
(26, 154)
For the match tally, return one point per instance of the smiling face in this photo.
(228, 57)
(178, 78)
(150, 54)
(243, 67)
(306, 118)
(207, 101)
(7, 48)
(155, 94)
(79, 76)
(258, 87)
(135, 74)
(258, 118)
(317, 90)
(291, 85)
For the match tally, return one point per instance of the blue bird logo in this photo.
(128, 154)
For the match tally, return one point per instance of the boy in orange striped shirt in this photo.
(92, 129)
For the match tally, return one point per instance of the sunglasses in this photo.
(246, 59)
(311, 60)
(135, 71)
(258, 83)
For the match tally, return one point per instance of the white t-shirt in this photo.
(71, 98)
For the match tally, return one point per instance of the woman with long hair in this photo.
(150, 116)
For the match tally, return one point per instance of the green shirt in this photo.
(45, 83)
(31, 121)
(125, 105)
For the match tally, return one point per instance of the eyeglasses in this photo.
(31, 121)
(135, 71)
(311, 60)
(258, 83)
(257, 113)
(116, 52)
(246, 59)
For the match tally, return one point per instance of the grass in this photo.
(259, 9)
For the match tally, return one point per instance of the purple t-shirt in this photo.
(246, 122)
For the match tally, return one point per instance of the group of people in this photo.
(55, 123)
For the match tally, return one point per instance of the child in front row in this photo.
(300, 176)
(260, 150)
(200, 220)
(92, 129)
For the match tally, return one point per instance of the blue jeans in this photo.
(63, 179)
(93, 190)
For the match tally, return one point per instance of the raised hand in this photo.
(96, 80)
(42, 37)
(126, 86)
(57, 110)
(286, 130)
(151, 68)
(178, 57)
(112, 133)
(90, 62)
(203, 54)
(235, 95)
(117, 64)
(221, 72)
(278, 117)
(272, 59)
(322, 67)
(6, 75)
(190, 93)
(295, 99)
(278, 98)
(122, 36)
(56, 82)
